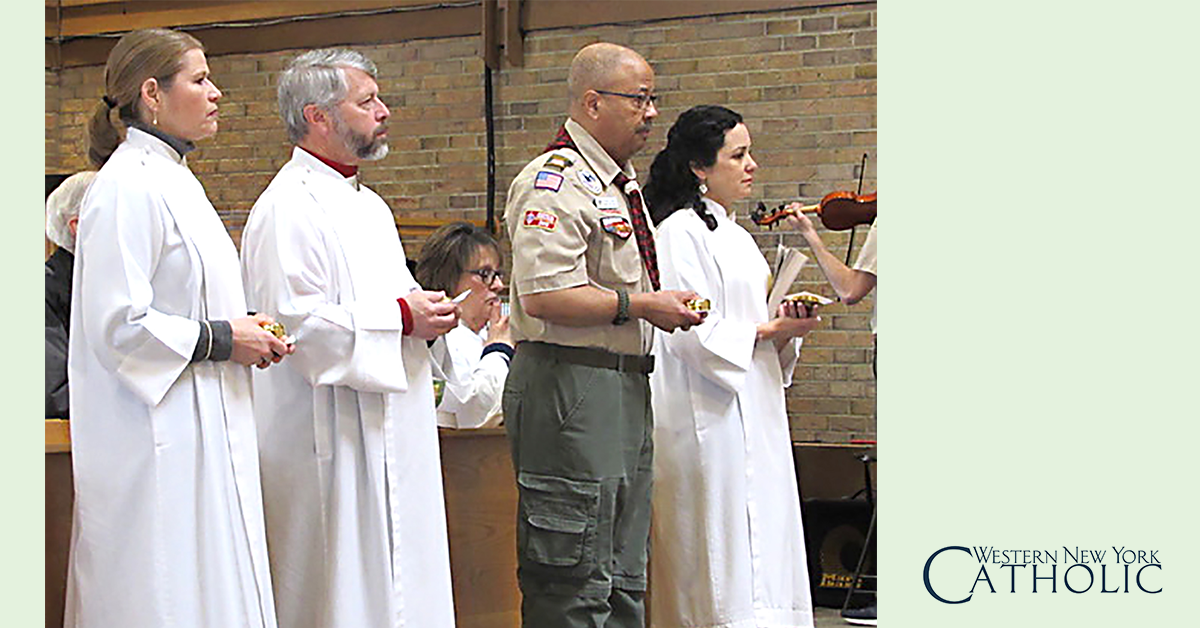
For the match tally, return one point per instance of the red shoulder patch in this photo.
(540, 220)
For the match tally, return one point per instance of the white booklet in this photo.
(788, 262)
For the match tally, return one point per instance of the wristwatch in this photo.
(622, 316)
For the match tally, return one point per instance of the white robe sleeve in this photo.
(291, 268)
(720, 349)
(789, 355)
(472, 393)
(121, 245)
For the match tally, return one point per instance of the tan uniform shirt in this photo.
(866, 263)
(569, 226)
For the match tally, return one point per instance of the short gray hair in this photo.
(64, 204)
(316, 77)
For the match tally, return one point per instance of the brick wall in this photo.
(804, 79)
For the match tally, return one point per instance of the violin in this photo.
(838, 211)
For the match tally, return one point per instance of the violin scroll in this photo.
(764, 217)
(838, 211)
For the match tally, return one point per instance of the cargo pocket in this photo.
(560, 521)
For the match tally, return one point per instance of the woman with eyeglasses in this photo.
(474, 356)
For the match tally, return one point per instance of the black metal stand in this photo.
(868, 543)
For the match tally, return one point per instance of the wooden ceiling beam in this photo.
(514, 35)
(490, 50)
(544, 14)
(94, 17)
(331, 31)
(81, 32)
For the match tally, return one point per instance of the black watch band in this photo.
(622, 316)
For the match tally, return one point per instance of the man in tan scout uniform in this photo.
(576, 402)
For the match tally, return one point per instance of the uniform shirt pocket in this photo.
(620, 261)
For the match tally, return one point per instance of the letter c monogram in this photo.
(929, 587)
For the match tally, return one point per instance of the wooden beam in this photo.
(514, 38)
(52, 21)
(491, 43)
(543, 14)
(317, 24)
(96, 17)
(317, 33)
(420, 228)
(58, 436)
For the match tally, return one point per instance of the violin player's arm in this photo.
(850, 284)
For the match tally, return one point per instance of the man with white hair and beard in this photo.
(352, 485)
(62, 224)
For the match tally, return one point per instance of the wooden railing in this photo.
(481, 514)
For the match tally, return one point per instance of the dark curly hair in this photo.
(693, 140)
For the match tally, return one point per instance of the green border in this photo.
(21, 582)
(1035, 387)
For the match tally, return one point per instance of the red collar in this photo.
(342, 169)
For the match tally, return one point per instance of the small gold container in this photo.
(806, 299)
(809, 300)
(276, 329)
(698, 305)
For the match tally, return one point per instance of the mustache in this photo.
(644, 128)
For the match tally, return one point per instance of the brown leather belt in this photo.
(587, 356)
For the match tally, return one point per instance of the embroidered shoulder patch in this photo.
(557, 162)
(616, 225)
(590, 182)
(540, 220)
(547, 181)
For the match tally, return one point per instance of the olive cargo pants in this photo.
(582, 452)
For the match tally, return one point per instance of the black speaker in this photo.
(834, 533)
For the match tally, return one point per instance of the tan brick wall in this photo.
(804, 79)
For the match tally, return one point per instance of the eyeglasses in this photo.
(487, 275)
(643, 98)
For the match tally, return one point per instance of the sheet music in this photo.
(788, 262)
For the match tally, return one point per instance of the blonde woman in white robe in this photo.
(726, 540)
(168, 520)
(462, 259)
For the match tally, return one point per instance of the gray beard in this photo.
(369, 150)
(363, 146)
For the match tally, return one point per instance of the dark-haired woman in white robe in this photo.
(727, 542)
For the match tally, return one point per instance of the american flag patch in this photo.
(540, 220)
(548, 181)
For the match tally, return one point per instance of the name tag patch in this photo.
(548, 181)
(617, 225)
(606, 203)
(540, 220)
